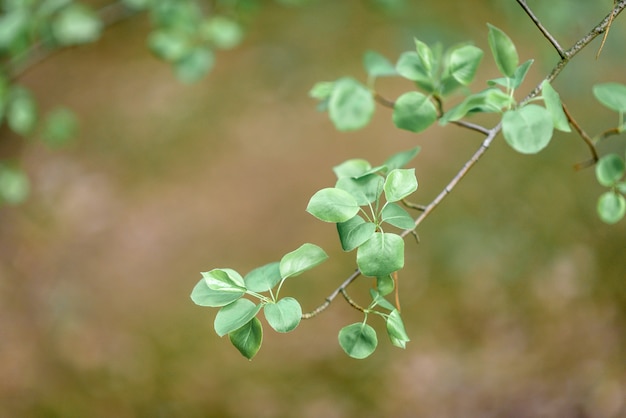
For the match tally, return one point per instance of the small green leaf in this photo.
(611, 207)
(395, 329)
(302, 259)
(612, 95)
(400, 159)
(22, 111)
(248, 338)
(385, 285)
(381, 255)
(194, 65)
(520, 73)
(169, 45)
(222, 32)
(322, 90)
(377, 65)
(489, 100)
(411, 67)
(354, 232)
(503, 51)
(13, 25)
(426, 56)
(14, 185)
(610, 169)
(553, 104)
(76, 24)
(527, 130)
(400, 183)
(60, 126)
(378, 298)
(284, 315)
(263, 278)
(621, 187)
(364, 189)
(235, 315)
(463, 63)
(358, 340)
(351, 105)
(224, 280)
(395, 215)
(332, 205)
(352, 168)
(203, 296)
(414, 112)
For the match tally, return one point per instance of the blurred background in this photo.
(514, 299)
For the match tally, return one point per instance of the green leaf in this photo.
(385, 285)
(263, 278)
(248, 338)
(411, 67)
(332, 205)
(381, 255)
(358, 340)
(22, 111)
(302, 259)
(203, 296)
(284, 315)
(414, 112)
(222, 32)
(503, 51)
(612, 95)
(14, 185)
(365, 189)
(527, 130)
(60, 126)
(169, 45)
(377, 65)
(610, 169)
(426, 56)
(224, 280)
(13, 25)
(194, 65)
(395, 215)
(354, 232)
(520, 73)
(621, 187)
(395, 329)
(322, 90)
(378, 298)
(76, 24)
(400, 159)
(463, 63)
(400, 183)
(611, 207)
(351, 105)
(553, 104)
(235, 315)
(351, 168)
(489, 100)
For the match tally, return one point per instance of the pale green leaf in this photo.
(332, 205)
(411, 67)
(553, 104)
(414, 112)
(202, 295)
(235, 315)
(463, 63)
(354, 232)
(611, 207)
(610, 169)
(400, 183)
(400, 159)
(351, 105)
(395, 215)
(76, 24)
(381, 255)
(364, 189)
(263, 278)
(527, 130)
(395, 329)
(248, 338)
(302, 259)
(377, 65)
(352, 168)
(284, 315)
(503, 50)
(612, 95)
(358, 340)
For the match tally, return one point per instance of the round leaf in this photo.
(411, 66)
(358, 340)
(352, 168)
(235, 315)
(400, 183)
(503, 51)
(397, 216)
(381, 255)
(76, 24)
(284, 315)
(263, 278)
(332, 205)
(528, 129)
(351, 105)
(248, 338)
(202, 295)
(304, 258)
(463, 63)
(414, 112)
(354, 232)
(224, 280)
(611, 207)
(612, 95)
(610, 169)
(224, 33)
(385, 285)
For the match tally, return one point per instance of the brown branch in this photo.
(383, 101)
(585, 137)
(490, 136)
(541, 28)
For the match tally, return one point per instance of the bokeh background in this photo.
(515, 297)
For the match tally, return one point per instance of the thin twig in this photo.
(606, 33)
(383, 101)
(413, 205)
(585, 137)
(332, 296)
(543, 30)
(351, 301)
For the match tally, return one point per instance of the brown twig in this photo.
(585, 137)
(541, 28)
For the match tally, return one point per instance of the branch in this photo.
(490, 136)
(543, 30)
(585, 137)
